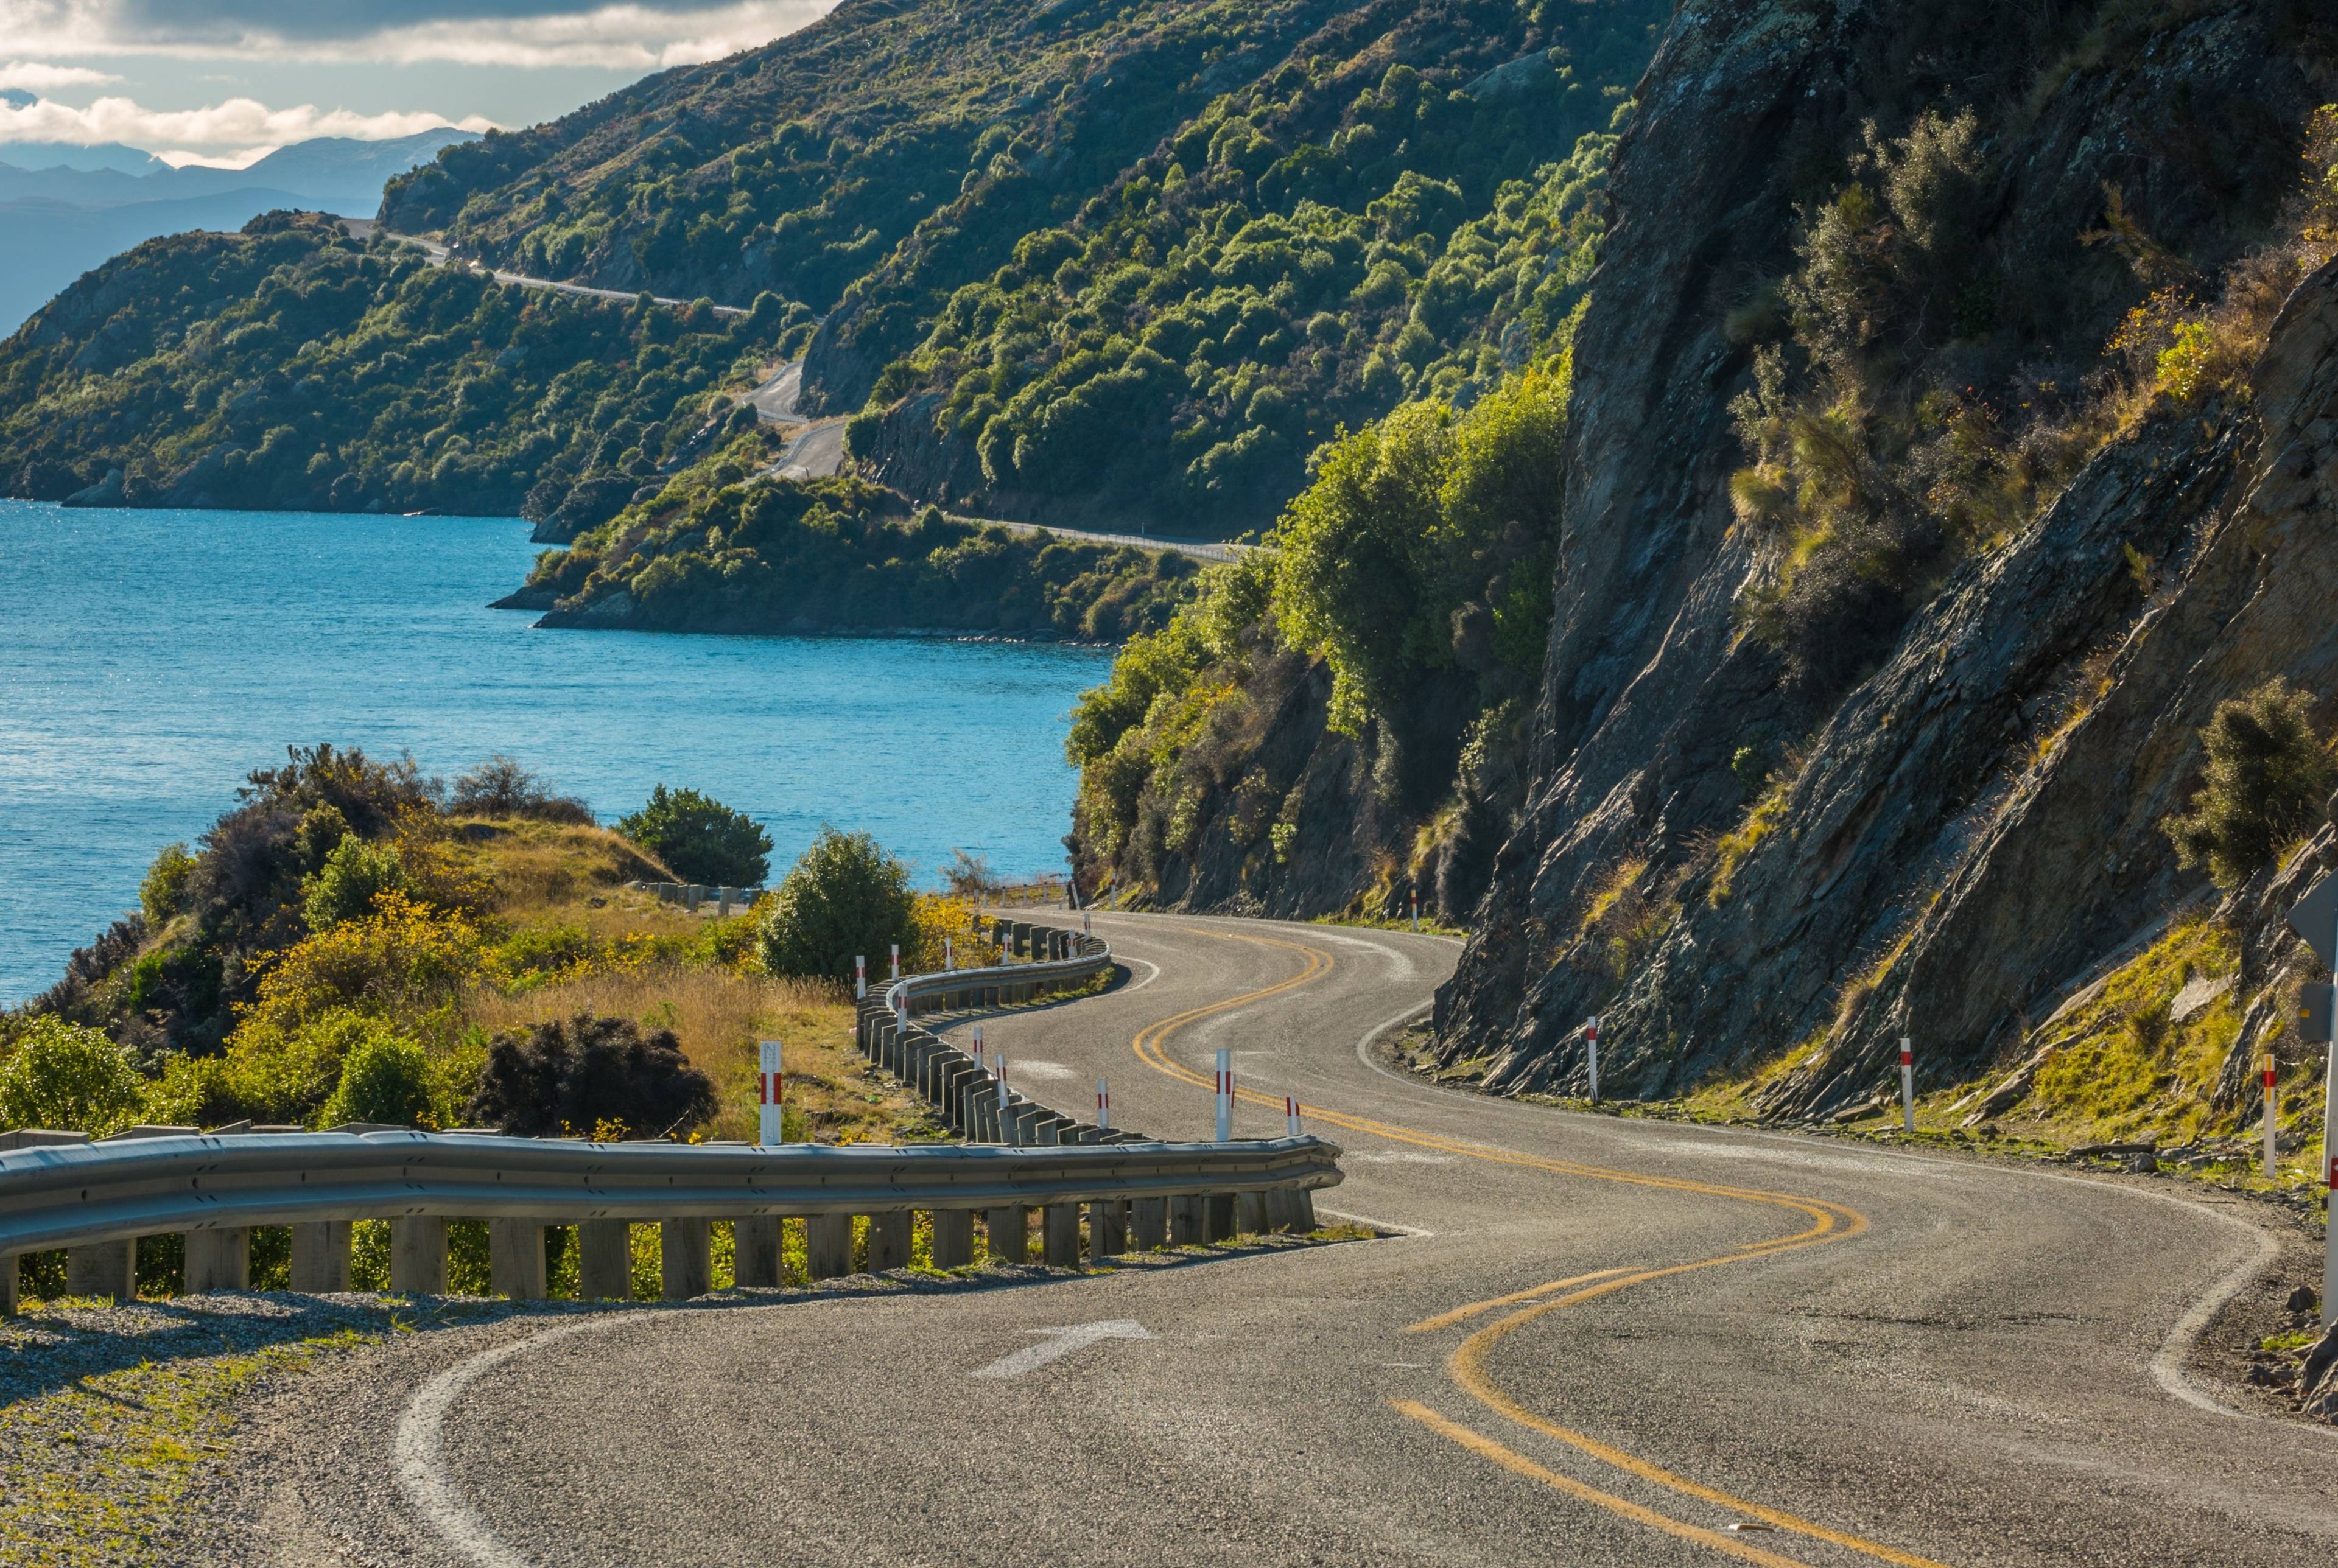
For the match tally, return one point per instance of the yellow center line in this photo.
(1460, 1314)
(1829, 1221)
(1512, 1460)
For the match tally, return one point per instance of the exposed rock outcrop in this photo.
(1976, 823)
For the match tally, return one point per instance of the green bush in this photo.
(2261, 787)
(700, 838)
(63, 1075)
(385, 1078)
(845, 898)
(591, 1075)
(345, 886)
(163, 893)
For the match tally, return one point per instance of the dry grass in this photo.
(719, 1015)
(547, 866)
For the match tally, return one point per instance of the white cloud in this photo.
(643, 35)
(39, 76)
(234, 132)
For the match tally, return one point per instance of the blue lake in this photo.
(150, 660)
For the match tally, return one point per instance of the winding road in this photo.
(1588, 1341)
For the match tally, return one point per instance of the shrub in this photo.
(700, 838)
(2266, 776)
(163, 893)
(385, 1078)
(345, 887)
(845, 898)
(500, 787)
(61, 1074)
(587, 1074)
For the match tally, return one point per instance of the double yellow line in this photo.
(1826, 1222)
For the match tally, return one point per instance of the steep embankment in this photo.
(1891, 602)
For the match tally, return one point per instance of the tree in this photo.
(345, 886)
(700, 838)
(845, 898)
(2267, 775)
(384, 1079)
(60, 1074)
(590, 1075)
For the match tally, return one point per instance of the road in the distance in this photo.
(1771, 1351)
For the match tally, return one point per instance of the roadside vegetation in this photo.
(356, 943)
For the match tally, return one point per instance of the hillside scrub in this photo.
(290, 366)
(505, 941)
(1416, 569)
(2267, 775)
(779, 556)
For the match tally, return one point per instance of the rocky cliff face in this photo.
(1966, 826)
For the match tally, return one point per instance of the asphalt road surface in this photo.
(1597, 1341)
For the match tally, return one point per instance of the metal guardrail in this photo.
(59, 1190)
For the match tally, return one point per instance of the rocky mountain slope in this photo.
(1890, 607)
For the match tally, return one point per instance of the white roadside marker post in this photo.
(949, 955)
(2315, 918)
(1104, 1107)
(2271, 1154)
(1226, 1095)
(1006, 1125)
(1591, 1054)
(897, 960)
(1907, 1083)
(978, 1045)
(772, 1129)
(860, 977)
(1291, 1116)
(1414, 899)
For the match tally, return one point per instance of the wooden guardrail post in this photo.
(11, 1276)
(605, 1260)
(1249, 1214)
(320, 1257)
(889, 1239)
(1010, 1234)
(218, 1261)
(953, 1238)
(1302, 1212)
(685, 1257)
(1185, 1220)
(1062, 1231)
(418, 1255)
(102, 1269)
(1107, 1230)
(828, 1246)
(755, 1252)
(515, 1260)
(1148, 1224)
(1218, 1217)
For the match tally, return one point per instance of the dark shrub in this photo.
(500, 787)
(575, 1077)
(702, 840)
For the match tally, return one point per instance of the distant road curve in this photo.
(364, 229)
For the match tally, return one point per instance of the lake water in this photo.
(150, 660)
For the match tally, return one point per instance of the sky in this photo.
(226, 82)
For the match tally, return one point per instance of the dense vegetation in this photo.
(292, 367)
(1416, 569)
(1095, 260)
(718, 551)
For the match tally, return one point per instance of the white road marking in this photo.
(1376, 1157)
(1059, 1342)
(420, 1461)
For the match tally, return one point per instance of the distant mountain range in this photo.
(66, 209)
